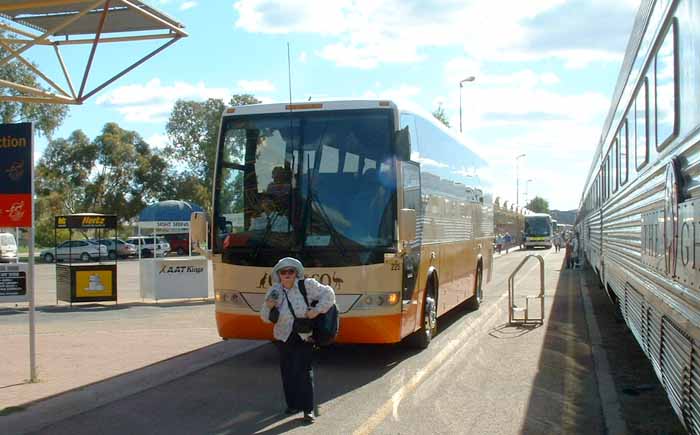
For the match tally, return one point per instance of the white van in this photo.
(8, 247)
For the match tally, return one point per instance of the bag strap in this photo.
(289, 304)
(302, 289)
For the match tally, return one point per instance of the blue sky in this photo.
(545, 71)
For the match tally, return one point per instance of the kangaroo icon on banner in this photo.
(16, 174)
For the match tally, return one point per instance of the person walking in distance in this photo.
(286, 307)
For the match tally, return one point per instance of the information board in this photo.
(13, 283)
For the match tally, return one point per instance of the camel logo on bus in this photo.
(324, 278)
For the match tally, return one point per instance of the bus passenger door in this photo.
(410, 197)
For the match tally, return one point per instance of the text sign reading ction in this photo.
(13, 283)
(16, 167)
(671, 246)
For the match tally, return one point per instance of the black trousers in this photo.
(296, 357)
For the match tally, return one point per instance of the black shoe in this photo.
(308, 418)
(290, 411)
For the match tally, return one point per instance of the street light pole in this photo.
(468, 79)
(527, 190)
(517, 180)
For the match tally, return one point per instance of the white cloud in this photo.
(187, 5)
(303, 57)
(367, 33)
(254, 86)
(403, 92)
(157, 140)
(152, 102)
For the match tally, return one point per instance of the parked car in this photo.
(149, 245)
(83, 250)
(8, 247)
(178, 242)
(118, 247)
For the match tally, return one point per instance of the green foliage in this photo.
(441, 116)
(538, 205)
(116, 173)
(47, 117)
(193, 130)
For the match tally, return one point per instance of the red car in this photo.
(178, 242)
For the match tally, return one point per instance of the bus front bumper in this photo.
(366, 329)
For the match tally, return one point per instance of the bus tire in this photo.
(474, 302)
(421, 339)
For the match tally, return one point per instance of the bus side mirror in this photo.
(402, 144)
(198, 232)
(407, 225)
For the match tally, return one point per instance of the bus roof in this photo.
(330, 104)
(538, 215)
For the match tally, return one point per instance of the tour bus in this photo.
(538, 231)
(380, 201)
(638, 219)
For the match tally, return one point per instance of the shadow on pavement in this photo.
(240, 395)
(564, 397)
(506, 331)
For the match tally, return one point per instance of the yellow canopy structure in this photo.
(56, 23)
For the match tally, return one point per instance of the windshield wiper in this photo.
(312, 200)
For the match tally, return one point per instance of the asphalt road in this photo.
(479, 376)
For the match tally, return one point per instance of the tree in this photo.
(441, 116)
(47, 117)
(538, 205)
(116, 173)
(193, 129)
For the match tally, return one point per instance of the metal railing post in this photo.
(512, 308)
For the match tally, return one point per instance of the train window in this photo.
(641, 127)
(622, 142)
(614, 153)
(667, 88)
(611, 176)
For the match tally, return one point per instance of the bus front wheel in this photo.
(474, 302)
(422, 338)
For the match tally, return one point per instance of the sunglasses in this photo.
(287, 271)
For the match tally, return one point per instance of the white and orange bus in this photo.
(383, 203)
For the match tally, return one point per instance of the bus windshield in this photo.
(320, 186)
(538, 226)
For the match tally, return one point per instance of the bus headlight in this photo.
(230, 297)
(376, 300)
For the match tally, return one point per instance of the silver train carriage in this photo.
(639, 216)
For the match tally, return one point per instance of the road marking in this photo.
(448, 351)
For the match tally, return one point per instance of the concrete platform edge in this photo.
(46, 411)
(610, 404)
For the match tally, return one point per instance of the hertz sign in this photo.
(16, 170)
(78, 221)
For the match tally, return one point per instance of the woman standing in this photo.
(283, 303)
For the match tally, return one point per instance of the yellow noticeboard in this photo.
(93, 283)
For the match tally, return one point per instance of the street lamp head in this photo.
(521, 155)
(468, 79)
